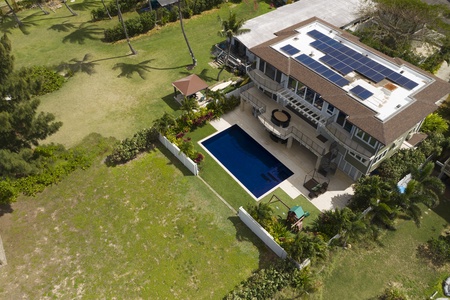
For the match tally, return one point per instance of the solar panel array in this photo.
(361, 92)
(345, 60)
(289, 49)
(322, 70)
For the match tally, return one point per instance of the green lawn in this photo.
(141, 230)
(364, 273)
(126, 93)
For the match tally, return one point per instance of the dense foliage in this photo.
(437, 250)
(129, 148)
(135, 26)
(21, 125)
(393, 27)
(265, 283)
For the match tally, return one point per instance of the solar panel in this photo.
(361, 92)
(371, 64)
(394, 76)
(322, 70)
(410, 84)
(315, 34)
(289, 49)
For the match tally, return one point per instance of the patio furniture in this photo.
(280, 118)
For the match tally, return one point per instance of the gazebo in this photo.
(188, 87)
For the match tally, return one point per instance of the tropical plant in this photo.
(306, 245)
(230, 28)
(68, 8)
(189, 104)
(119, 14)
(368, 188)
(180, 16)
(434, 123)
(19, 23)
(430, 187)
(163, 124)
(262, 213)
(382, 212)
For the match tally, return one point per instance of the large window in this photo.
(342, 120)
(270, 71)
(330, 109)
(363, 136)
(358, 157)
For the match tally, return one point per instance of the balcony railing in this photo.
(260, 79)
(294, 132)
(344, 139)
(301, 105)
(254, 101)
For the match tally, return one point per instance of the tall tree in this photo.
(230, 28)
(119, 15)
(21, 125)
(180, 16)
(106, 9)
(19, 23)
(189, 104)
(68, 8)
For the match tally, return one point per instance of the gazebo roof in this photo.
(166, 2)
(190, 85)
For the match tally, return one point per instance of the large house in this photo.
(352, 106)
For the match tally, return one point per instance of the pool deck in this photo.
(299, 159)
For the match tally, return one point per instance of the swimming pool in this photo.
(252, 165)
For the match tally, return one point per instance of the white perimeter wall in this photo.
(186, 161)
(261, 233)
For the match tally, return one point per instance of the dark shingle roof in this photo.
(360, 115)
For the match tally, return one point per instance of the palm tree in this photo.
(189, 104)
(367, 189)
(163, 124)
(106, 9)
(430, 187)
(68, 8)
(262, 213)
(409, 199)
(230, 29)
(382, 212)
(119, 15)
(194, 61)
(306, 245)
(19, 23)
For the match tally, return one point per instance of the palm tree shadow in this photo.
(83, 33)
(203, 75)
(78, 66)
(63, 27)
(85, 5)
(127, 70)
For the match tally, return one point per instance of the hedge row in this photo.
(135, 26)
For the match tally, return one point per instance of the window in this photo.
(292, 84)
(318, 103)
(278, 76)
(380, 156)
(270, 71)
(262, 65)
(363, 136)
(330, 109)
(358, 157)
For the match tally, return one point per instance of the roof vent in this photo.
(398, 106)
(401, 72)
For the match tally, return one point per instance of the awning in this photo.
(190, 85)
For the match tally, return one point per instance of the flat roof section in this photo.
(370, 79)
(339, 13)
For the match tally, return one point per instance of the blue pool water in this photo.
(257, 169)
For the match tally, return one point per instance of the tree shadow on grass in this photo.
(85, 5)
(204, 75)
(128, 70)
(74, 65)
(5, 209)
(62, 27)
(244, 234)
(173, 160)
(171, 102)
(83, 33)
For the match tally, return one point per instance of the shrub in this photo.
(437, 250)
(129, 148)
(46, 80)
(8, 193)
(265, 283)
(135, 26)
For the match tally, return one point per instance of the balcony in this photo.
(286, 97)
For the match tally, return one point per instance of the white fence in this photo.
(192, 166)
(261, 233)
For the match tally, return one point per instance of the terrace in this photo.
(298, 158)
